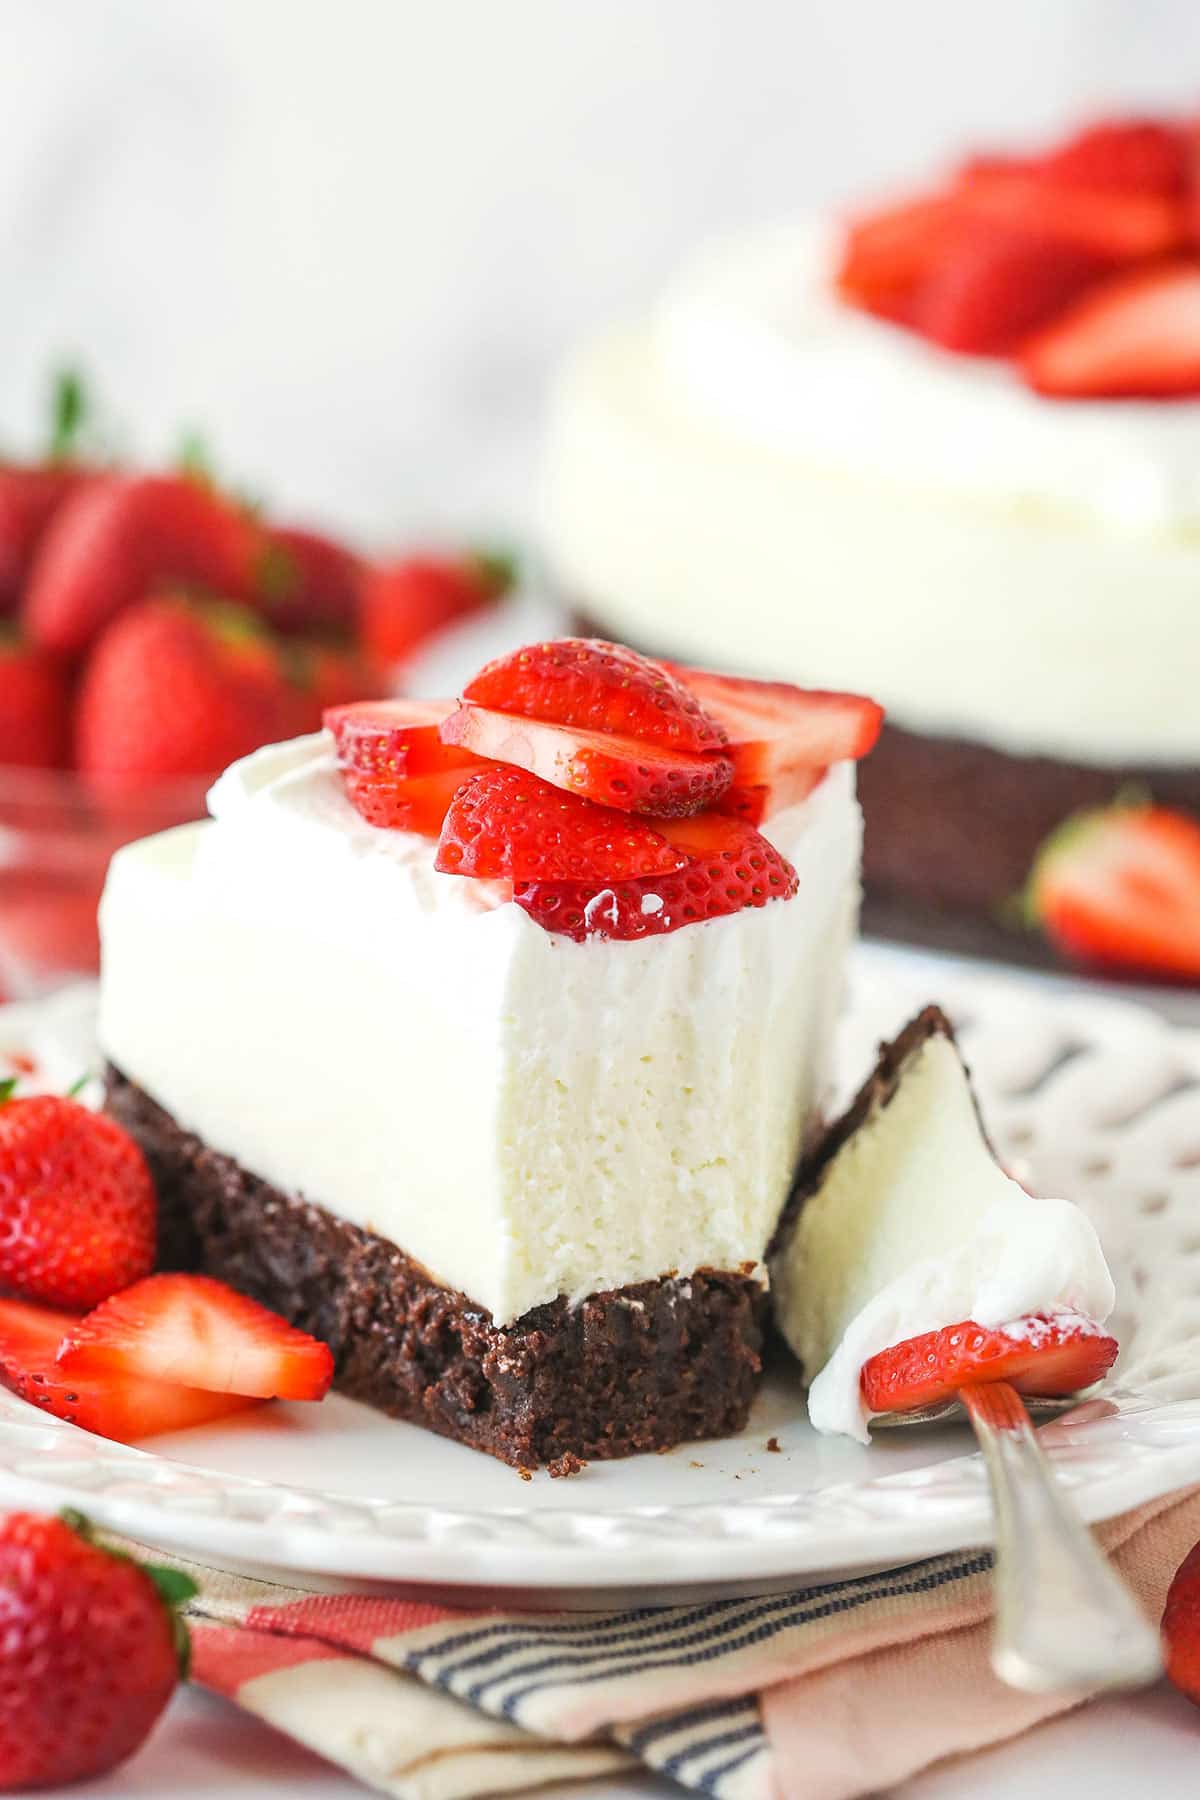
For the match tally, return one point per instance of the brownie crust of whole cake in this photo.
(637, 1369)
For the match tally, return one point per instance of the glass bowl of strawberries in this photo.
(153, 629)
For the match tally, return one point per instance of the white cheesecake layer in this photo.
(760, 477)
(524, 1115)
(915, 1227)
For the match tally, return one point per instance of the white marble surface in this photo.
(1148, 1744)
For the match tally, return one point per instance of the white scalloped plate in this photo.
(1091, 1096)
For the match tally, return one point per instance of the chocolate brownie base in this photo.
(954, 826)
(637, 1369)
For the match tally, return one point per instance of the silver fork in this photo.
(1063, 1620)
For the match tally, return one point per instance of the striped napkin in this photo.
(818, 1694)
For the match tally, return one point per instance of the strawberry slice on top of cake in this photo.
(481, 1038)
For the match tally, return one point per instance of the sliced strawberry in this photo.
(1120, 888)
(1133, 156)
(507, 823)
(114, 1404)
(201, 1333)
(418, 805)
(995, 283)
(1122, 227)
(393, 740)
(1136, 335)
(773, 727)
(1050, 1355)
(594, 686)
(731, 867)
(886, 255)
(629, 774)
(1181, 1627)
(754, 804)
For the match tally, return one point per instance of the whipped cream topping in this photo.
(524, 1115)
(754, 341)
(915, 1227)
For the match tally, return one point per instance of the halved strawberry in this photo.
(114, 1404)
(594, 686)
(1136, 335)
(393, 740)
(201, 1333)
(731, 867)
(1120, 888)
(1052, 1355)
(1181, 1627)
(887, 254)
(773, 727)
(504, 822)
(996, 282)
(622, 772)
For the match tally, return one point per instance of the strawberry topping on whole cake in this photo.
(1079, 265)
(619, 797)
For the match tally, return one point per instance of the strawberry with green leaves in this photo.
(404, 603)
(32, 493)
(93, 1648)
(123, 535)
(176, 689)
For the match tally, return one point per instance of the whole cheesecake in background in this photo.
(948, 454)
(482, 1038)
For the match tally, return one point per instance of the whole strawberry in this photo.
(77, 1206)
(405, 602)
(35, 699)
(1181, 1627)
(119, 537)
(174, 689)
(91, 1650)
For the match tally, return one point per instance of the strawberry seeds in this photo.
(619, 797)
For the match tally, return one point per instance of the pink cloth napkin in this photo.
(822, 1693)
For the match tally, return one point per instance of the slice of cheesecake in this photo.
(512, 1141)
(909, 1262)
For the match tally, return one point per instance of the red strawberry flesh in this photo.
(1119, 889)
(198, 1332)
(732, 867)
(507, 823)
(595, 686)
(1135, 336)
(772, 726)
(393, 740)
(113, 1405)
(625, 773)
(1048, 1355)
